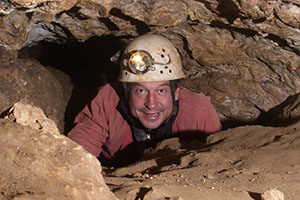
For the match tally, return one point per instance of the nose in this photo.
(150, 101)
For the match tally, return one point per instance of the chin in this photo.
(151, 126)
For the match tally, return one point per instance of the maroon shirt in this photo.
(100, 128)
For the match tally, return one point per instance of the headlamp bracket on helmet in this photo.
(140, 61)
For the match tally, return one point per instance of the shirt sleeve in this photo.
(196, 114)
(91, 126)
(210, 120)
(88, 134)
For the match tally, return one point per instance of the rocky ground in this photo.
(247, 162)
(240, 163)
(37, 162)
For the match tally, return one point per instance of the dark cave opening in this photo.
(87, 64)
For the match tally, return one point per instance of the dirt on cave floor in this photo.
(241, 163)
(234, 164)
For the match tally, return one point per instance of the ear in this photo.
(177, 93)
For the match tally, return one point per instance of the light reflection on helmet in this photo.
(139, 62)
(150, 58)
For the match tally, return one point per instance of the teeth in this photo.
(152, 115)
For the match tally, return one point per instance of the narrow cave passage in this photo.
(81, 67)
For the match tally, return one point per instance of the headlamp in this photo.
(140, 62)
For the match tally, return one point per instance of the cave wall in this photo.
(243, 53)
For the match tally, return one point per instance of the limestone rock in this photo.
(96, 8)
(31, 83)
(38, 165)
(14, 29)
(33, 117)
(239, 163)
(6, 7)
(45, 6)
(272, 194)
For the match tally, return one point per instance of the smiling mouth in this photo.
(151, 116)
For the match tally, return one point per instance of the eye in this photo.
(162, 91)
(140, 91)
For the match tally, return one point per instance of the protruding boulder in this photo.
(37, 163)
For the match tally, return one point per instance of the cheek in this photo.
(135, 103)
(167, 103)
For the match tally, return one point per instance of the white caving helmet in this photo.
(150, 58)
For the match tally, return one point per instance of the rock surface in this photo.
(30, 82)
(38, 164)
(273, 194)
(249, 162)
(33, 117)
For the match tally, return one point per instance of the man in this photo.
(118, 123)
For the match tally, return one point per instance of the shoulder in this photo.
(189, 100)
(107, 94)
(196, 113)
(107, 89)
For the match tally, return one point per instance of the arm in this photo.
(211, 122)
(90, 130)
(88, 133)
(91, 124)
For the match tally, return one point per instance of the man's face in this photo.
(151, 102)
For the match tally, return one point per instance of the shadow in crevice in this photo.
(233, 123)
(229, 10)
(285, 114)
(244, 31)
(142, 192)
(109, 24)
(5, 113)
(163, 154)
(281, 115)
(168, 159)
(141, 27)
(255, 196)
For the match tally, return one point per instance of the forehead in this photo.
(150, 85)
